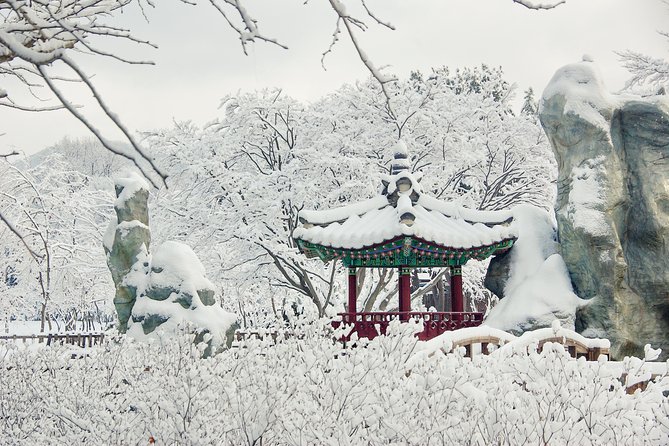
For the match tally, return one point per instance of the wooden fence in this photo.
(79, 339)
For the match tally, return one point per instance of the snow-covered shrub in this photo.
(309, 390)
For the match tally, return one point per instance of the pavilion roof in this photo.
(402, 209)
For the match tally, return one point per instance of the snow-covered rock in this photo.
(176, 291)
(536, 288)
(126, 241)
(164, 288)
(612, 208)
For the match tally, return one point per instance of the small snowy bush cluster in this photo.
(309, 390)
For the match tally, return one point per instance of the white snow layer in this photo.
(586, 199)
(539, 288)
(584, 92)
(110, 235)
(344, 212)
(384, 224)
(131, 182)
(174, 264)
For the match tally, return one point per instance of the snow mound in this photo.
(539, 289)
(176, 292)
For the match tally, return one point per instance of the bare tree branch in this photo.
(7, 155)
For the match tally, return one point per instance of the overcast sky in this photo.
(199, 59)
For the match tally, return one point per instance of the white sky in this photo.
(200, 58)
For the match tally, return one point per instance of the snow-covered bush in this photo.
(308, 389)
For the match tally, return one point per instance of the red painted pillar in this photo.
(405, 293)
(457, 302)
(352, 292)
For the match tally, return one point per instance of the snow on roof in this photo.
(402, 210)
(342, 213)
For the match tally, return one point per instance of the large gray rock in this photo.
(612, 207)
(498, 273)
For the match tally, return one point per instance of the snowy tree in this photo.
(530, 105)
(61, 218)
(237, 186)
(39, 38)
(308, 390)
(650, 75)
(85, 155)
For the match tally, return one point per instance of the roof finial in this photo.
(401, 161)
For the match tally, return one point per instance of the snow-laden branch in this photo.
(248, 29)
(533, 4)
(20, 236)
(646, 70)
(35, 34)
(349, 22)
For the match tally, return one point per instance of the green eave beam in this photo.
(404, 251)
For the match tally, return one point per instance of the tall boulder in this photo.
(612, 207)
(127, 241)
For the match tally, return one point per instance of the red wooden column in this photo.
(352, 292)
(457, 302)
(405, 292)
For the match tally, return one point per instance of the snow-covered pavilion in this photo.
(404, 228)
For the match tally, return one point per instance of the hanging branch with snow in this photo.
(36, 38)
(349, 22)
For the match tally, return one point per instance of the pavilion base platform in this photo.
(371, 325)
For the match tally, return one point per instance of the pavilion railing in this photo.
(371, 324)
